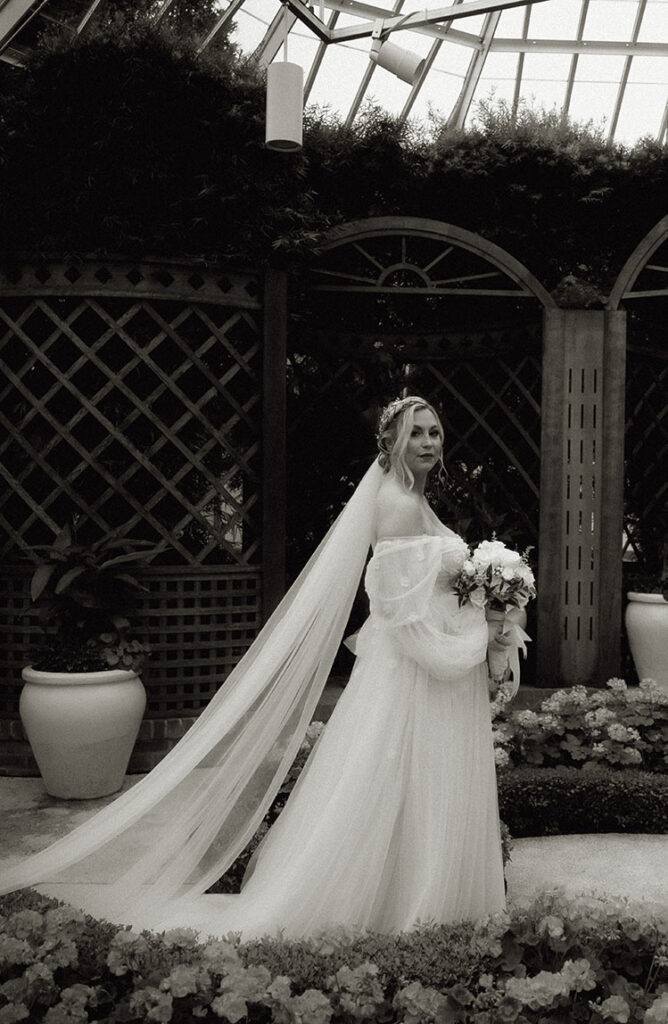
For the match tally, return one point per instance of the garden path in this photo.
(630, 866)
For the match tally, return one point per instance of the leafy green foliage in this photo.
(125, 140)
(434, 956)
(563, 800)
(583, 959)
(617, 727)
(84, 592)
(139, 146)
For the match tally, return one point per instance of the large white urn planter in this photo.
(82, 727)
(646, 620)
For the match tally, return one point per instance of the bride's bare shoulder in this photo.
(398, 512)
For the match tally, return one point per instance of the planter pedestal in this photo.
(646, 620)
(82, 727)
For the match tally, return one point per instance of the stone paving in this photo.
(634, 867)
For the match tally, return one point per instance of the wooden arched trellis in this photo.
(629, 285)
(136, 397)
(463, 317)
(496, 272)
(642, 289)
(566, 453)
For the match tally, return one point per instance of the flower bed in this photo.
(578, 960)
(618, 727)
(586, 761)
(559, 960)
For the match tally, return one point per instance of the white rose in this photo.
(488, 551)
(509, 558)
(495, 552)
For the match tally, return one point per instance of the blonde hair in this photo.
(396, 424)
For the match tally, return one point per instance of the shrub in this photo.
(618, 727)
(562, 800)
(578, 960)
(433, 956)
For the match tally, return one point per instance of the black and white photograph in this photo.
(334, 511)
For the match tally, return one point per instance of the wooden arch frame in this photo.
(582, 427)
(644, 276)
(636, 263)
(354, 231)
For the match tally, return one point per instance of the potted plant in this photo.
(646, 620)
(83, 701)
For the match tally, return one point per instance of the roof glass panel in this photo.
(339, 77)
(473, 25)
(511, 22)
(500, 66)
(642, 111)
(555, 21)
(652, 70)
(453, 59)
(654, 26)
(610, 20)
(438, 94)
(251, 25)
(493, 88)
(537, 39)
(595, 69)
(546, 67)
(302, 48)
(387, 90)
(593, 102)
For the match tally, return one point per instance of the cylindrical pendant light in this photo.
(285, 102)
(405, 64)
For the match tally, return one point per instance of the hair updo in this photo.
(394, 429)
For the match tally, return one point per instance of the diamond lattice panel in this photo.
(490, 407)
(646, 457)
(131, 400)
(137, 415)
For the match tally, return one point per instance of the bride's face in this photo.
(424, 445)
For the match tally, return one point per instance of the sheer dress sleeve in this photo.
(411, 604)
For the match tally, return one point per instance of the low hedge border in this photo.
(563, 800)
(558, 960)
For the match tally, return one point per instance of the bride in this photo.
(394, 819)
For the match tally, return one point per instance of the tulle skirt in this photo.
(393, 822)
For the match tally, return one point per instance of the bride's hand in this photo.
(497, 637)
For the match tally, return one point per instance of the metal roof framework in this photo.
(600, 60)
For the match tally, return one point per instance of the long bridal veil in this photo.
(179, 829)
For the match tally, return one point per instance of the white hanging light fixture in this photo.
(405, 64)
(285, 101)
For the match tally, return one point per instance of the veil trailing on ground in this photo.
(181, 827)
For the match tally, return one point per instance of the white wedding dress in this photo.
(394, 819)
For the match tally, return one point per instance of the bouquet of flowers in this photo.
(495, 577)
(498, 579)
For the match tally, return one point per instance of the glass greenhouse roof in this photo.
(604, 61)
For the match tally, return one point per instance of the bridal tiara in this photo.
(396, 406)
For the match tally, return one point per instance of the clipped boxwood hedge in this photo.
(563, 800)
